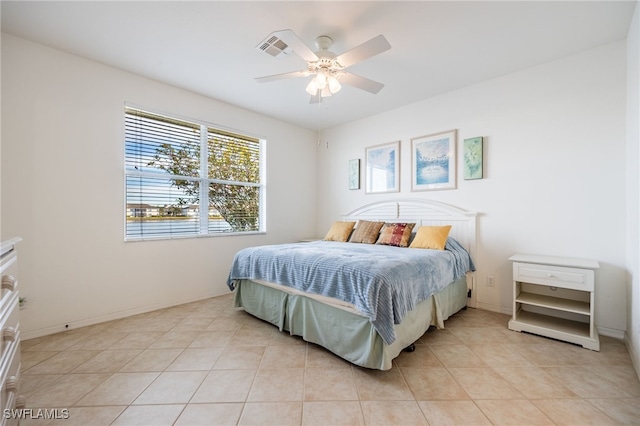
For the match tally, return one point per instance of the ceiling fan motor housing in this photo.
(324, 42)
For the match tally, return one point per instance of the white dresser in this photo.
(554, 297)
(9, 332)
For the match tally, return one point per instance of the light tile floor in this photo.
(205, 363)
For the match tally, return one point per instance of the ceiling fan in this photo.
(327, 69)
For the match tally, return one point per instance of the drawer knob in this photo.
(11, 385)
(550, 275)
(8, 282)
(9, 334)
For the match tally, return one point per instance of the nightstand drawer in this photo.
(554, 276)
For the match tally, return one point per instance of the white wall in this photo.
(554, 181)
(63, 190)
(633, 188)
(554, 169)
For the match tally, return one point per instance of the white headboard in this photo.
(423, 213)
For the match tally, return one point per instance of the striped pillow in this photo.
(366, 232)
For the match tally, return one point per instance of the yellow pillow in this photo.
(339, 231)
(431, 237)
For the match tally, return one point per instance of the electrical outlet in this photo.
(490, 281)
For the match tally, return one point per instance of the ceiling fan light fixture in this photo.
(321, 79)
(312, 87)
(334, 85)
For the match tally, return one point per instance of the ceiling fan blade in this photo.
(293, 74)
(360, 82)
(296, 44)
(364, 51)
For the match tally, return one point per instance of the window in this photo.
(188, 179)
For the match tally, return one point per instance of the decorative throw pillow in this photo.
(396, 234)
(431, 237)
(366, 232)
(339, 231)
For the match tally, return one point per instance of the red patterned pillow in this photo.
(396, 234)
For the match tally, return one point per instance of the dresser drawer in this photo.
(10, 382)
(9, 325)
(8, 275)
(554, 276)
(9, 330)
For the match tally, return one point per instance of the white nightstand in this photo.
(554, 297)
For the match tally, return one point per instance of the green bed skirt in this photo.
(347, 334)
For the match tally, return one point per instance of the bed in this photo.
(378, 299)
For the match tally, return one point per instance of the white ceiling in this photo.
(208, 47)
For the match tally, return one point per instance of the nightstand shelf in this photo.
(557, 328)
(566, 305)
(554, 297)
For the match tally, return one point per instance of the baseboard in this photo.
(32, 334)
(634, 356)
(493, 308)
(611, 332)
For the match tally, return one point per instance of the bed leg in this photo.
(410, 348)
(464, 308)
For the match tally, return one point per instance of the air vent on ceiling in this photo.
(274, 47)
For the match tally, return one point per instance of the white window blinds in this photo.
(189, 179)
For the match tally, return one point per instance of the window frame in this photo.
(205, 129)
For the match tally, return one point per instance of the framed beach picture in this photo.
(472, 158)
(354, 174)
(433, 161)
(382, 168)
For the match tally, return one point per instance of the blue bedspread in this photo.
(383, 282)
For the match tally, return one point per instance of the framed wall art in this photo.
(382, 168)
(472, 158)
(433, 161)
(354, 174)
